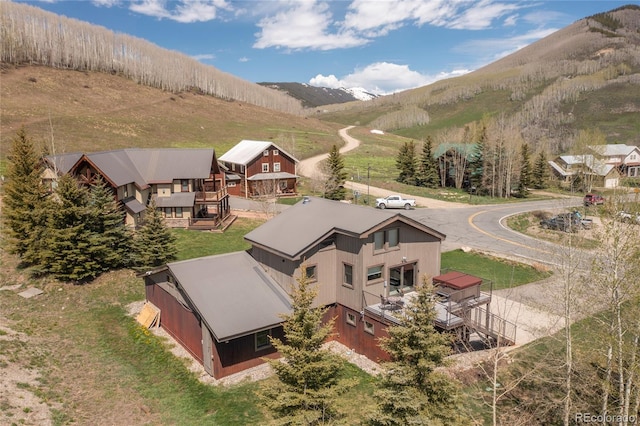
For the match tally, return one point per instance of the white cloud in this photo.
(185, 11)
(106, 3)
(382, 78)
(303, 25)
(244, 59)
(204, 57)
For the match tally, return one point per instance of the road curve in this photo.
(310, 167)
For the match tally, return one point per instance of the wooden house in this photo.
(626, 158)
(187, 185)
(586, 171)
(259, 169)
(355, 254)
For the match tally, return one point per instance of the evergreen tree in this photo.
(70, 253)
(25, 201)
(476, 163)
(406, 163)
(111, 239)
(308, 379)
(412, 391)
(154, 244)
(428, 171)
(526, 175)
(540, 171)
(334, 186)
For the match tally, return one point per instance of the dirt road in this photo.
(310, 168)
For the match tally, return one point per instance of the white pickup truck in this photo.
(395, 202)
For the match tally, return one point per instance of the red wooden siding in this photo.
(356, 338)
(286, 163)
(180, 323)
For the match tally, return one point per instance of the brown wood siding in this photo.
(356, 338)
(286, 163)
(240, 354)
(180, 323)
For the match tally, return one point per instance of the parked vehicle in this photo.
(567, 222)
(628, 217)
(593, 200)
(395, 202)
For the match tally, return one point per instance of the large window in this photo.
(276, 167)
(184, 185)
(374, 273)
(167, 212)
(178, 211)
(262, 340)
(265, 167)
(386, 239)
(348, 275)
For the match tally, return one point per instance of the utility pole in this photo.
(368, 180)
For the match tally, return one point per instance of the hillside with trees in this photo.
(584, 76)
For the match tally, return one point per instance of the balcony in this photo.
(204, 197)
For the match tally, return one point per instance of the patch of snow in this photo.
(377, 132)
(359, 93)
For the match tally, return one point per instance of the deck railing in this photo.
(492, 325)
(212, 195)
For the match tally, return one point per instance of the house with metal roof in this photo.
(187, 185)
(223, 308)
(586, 171)
(626, 158)
(260, 168)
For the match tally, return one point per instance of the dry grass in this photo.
(88, 111)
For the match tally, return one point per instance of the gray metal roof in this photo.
(177, 199)
(144, 166)
(299, 227)
(272, 176)
(232, 294)
(133, 205)
(246, 150)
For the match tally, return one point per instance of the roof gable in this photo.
(246, 151)
(232, 293)
(295, 230)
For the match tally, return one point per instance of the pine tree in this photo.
(540, 171)
(526, 176)
(406, 163)
(24, 200)
(308, 378)
(428, 170)
(412, 391)
(69, 253)
(476, 163)
(111, 239)
(154, 244)
(334, 186)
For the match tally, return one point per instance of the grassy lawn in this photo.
(503, 273)
(202, 243)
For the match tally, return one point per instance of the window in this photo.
(265, 167)
(167, 212)
(368, 327)
(231, 184)
(311, 272)
(276, 167)
(392, 237)
(170, 279)
(178, 211)
(184, 185)
(276, 152)
(374, 273)
(348, 274)
(265, 153)
(125, 191)
(329, 242)
(233, 167)
(241, 169)
(262, 340)
(378, 240)
(351, 318)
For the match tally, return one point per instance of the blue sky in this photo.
(383, 46)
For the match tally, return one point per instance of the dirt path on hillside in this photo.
(310, 168)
